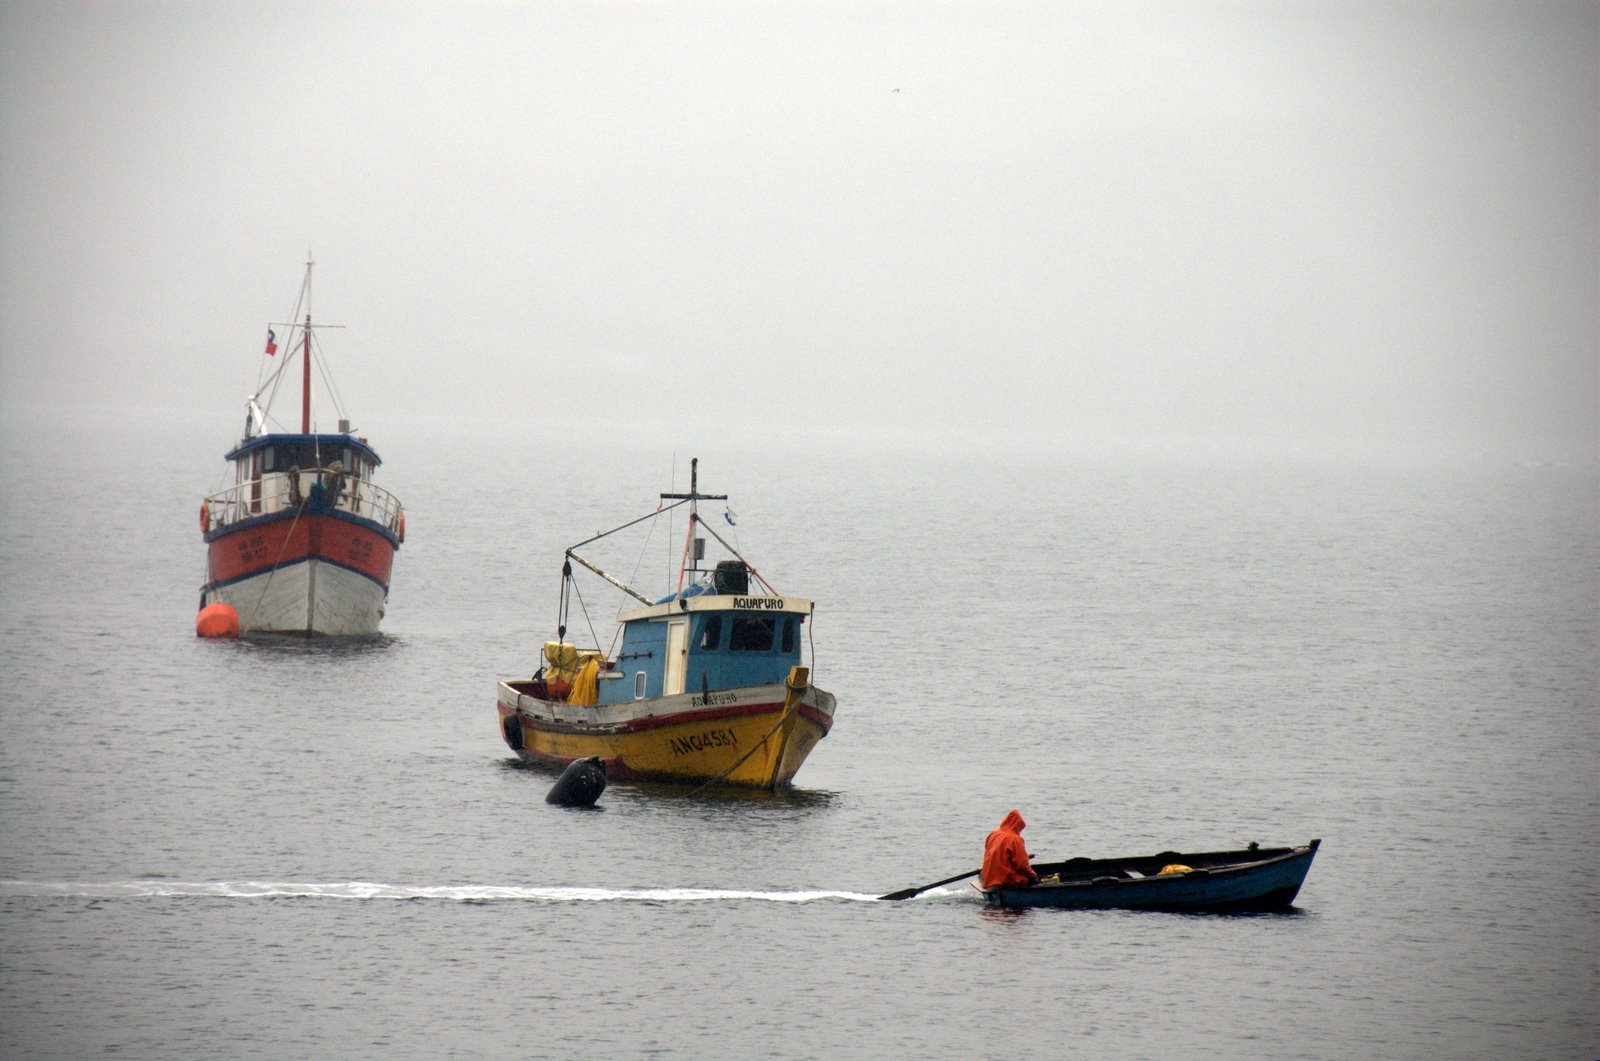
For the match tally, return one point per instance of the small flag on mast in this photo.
(272, 342)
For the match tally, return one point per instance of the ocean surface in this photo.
(291, 850)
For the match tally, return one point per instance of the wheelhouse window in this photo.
(711, 634)
(295, 455)
(752, 633)
(301, 455)
(788, 635)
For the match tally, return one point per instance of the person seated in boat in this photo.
(1005, 859)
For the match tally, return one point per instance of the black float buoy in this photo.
(581, 783)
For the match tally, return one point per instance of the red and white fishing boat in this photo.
(303, 541)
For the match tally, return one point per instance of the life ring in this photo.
(400, 530)
(205, 518)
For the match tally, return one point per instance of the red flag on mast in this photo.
(272, 342)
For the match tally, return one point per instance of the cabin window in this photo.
(788, 635)
(752, 633)
(287, 455)
(711, 634)
(638, 684)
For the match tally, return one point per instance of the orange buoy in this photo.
(400, 535)
(205, 518)
(216, 620)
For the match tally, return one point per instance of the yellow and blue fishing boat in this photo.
(708, 684)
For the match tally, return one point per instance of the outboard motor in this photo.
(581, 783)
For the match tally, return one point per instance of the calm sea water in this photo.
(307, 850)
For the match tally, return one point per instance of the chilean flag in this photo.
(272, 342)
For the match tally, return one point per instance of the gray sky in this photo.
(1275, 221)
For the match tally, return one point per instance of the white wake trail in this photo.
(463, 893)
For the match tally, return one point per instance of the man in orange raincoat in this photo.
(1005, 859)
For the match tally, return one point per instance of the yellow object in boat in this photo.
(586, 686)
(561, 661)
(1175, 867)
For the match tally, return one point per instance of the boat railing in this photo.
(286, 491)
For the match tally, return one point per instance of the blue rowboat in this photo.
(1255, 879)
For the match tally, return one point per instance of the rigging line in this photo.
(594, 638)
(625, 526)
(723, 542)
(634, 574)
(270, 574)
(292, 317)
(277, 377)
(272, 380)
(319, 362)
(683, 564)
(329, 387)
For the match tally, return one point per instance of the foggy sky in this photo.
(1282, 221)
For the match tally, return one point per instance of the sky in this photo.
(1297, 223)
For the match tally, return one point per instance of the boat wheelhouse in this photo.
(708, 683)
(303, 541)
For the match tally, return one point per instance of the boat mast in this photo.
(305, 378)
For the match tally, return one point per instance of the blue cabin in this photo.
(707, 638)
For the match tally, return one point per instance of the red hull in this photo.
(251, 548)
